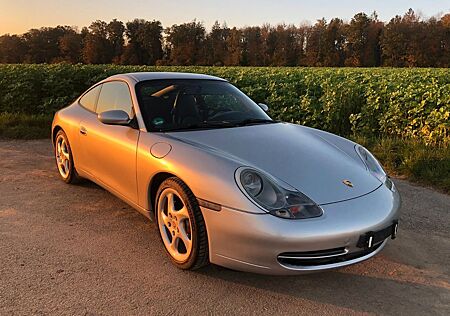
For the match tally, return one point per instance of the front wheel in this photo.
(181, 225)
(64, 159)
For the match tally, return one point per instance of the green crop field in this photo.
(406, 103)
(401, 114)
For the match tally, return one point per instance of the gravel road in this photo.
(78, 250)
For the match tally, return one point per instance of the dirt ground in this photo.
(78, 250)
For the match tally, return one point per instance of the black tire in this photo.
(72, 176)
(199, 256)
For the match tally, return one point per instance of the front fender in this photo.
(208, 175)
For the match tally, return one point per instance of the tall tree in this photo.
(302, 34)
(70, 46)
(216, 44)
(43, 43)
(372, 50)
(286, 45)
(12, 49)
(362, 36)
(445, 27)
(394, 43)
(144, 42)
(252, 46)
(115, 34)
(315, 49)
(234, 48)
(97, 49)
(408, 42)
(334, 44)
(186, 43)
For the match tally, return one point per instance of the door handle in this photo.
(83, 130)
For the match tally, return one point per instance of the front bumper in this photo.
(257, 242)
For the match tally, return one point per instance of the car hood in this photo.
(294, 154)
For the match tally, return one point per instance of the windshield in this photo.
(171, 105)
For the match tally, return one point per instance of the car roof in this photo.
(143, 76)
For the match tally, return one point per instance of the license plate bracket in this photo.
(372, 238)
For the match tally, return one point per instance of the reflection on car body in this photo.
(224, 183)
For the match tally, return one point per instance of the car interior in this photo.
(171, 106)
(180, 105)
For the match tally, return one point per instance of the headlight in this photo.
(374, 166)
(271, 196)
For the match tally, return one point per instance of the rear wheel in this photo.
(64, 159)
(181, 225)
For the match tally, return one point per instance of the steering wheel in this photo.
(228, 115)
(221, 109)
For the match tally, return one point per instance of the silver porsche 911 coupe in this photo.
(224, 183)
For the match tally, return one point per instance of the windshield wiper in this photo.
(204, 125)
(217, 124)
(253, 121)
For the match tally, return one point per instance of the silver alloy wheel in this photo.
(175, 225)
(62, 156)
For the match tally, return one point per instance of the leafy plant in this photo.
(375, 102)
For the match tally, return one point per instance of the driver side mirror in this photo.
(114, 117)
(263, 106)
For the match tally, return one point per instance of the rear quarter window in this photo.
(89, 100)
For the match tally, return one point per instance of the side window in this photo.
(90, 98)
(115, 95)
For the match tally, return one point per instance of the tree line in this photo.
(364, 41)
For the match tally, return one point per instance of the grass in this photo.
(413, 160)
(24, 126)
(408, 158)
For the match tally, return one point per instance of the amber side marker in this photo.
(210, 205)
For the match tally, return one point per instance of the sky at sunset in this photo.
(18, 16)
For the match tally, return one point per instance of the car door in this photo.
(109, 151)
